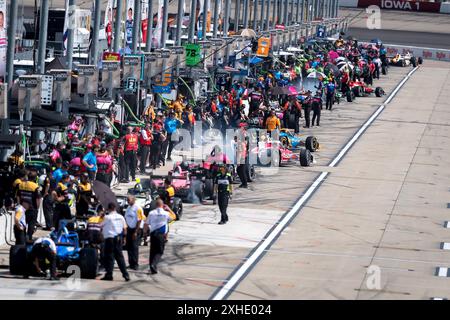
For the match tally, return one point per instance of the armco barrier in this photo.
(425, 53)
(413, 6)
(6, 226)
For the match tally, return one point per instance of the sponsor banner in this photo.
(129, 23)
(158, 30)
(109, 23)
(111, 56)
(419, 6)
(3, 39)
(414, 6)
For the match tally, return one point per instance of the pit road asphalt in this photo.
(201, 254)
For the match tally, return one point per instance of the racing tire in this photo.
(305, 157)
(198, 191)
(251, 172)
(291, 121)
(88, 263)
(312, 144)
(285, 142)
(17, 259)
(420, 60)
(379, 92)
(358, 91)
(350, 96)
(384, 70)
(177, 208)
(403, 63)
(209, 188)
(413, 62)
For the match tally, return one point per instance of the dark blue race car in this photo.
(68, 253)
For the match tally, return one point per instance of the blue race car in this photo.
(292, 141)
(68, 253)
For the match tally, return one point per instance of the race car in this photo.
(361, 89)
(146, 194)
(68, 253)
(405, 60)
(189, 186)
(291, 141)
(271, 152)
(276, 155)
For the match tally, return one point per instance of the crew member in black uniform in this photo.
(224, 189)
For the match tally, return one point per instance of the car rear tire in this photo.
(251, 172)
(305, 157)
(420, 60)
(413, 62)
(349, 96)
(209, 188)
(384, 70)
(291, 120)
(17, 259)
(312, 144)
(379, 92)
(88, 263)
(178, 208)
(358, 91)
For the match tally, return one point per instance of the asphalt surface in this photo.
(408, 38)
(415, 29)
(385, 206)
(200, 254)
(374, 228)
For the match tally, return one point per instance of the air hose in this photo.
(131, 112)
(116, 134)
(190, 91)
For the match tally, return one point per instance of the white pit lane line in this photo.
(258, 252)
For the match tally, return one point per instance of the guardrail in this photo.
(412, 6)
(7, 225)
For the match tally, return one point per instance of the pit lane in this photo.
(200, 254)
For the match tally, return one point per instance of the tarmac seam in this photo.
(242, 270)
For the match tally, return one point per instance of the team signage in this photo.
(61, 78)
(132, 66)
(87, 79)
(263, 47)
(111, 74)
(32, 85)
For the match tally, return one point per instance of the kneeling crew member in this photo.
(223, 189)
(43, 249)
